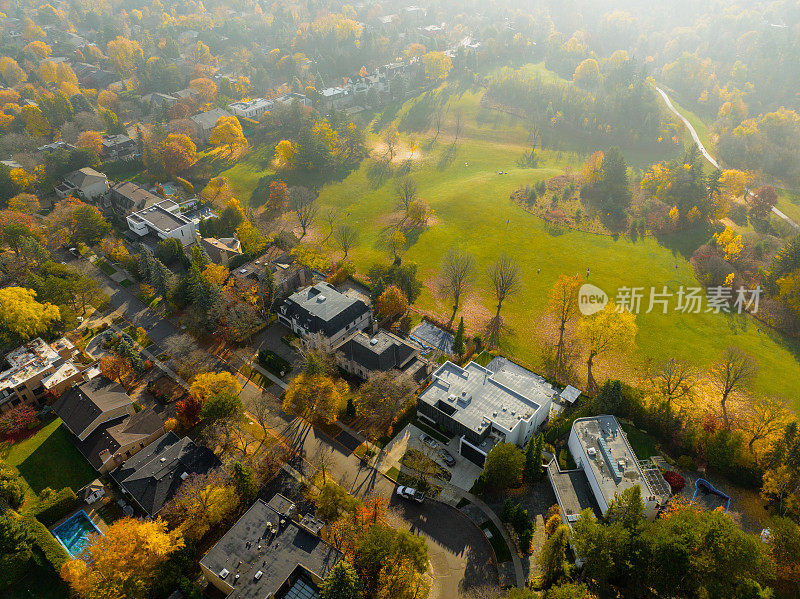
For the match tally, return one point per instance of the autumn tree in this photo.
(316, 397)
(391, 137)
(125, 54)
(209, 384)
(381, 398)
(396, 244)
(587, 74)
(345, 236)
(286, 153)
(563, 304)
(405, 190)
(124, 561)
(762, 201)
(437, 65)
(392, 302)
(592, 170)
(761, 419)
(21, 316)
(179, 153)
(117, 368)
(304, 204)
(504, 278)
(92, 140)
(731, 374)
(605, 331)
(673, 379)
(205, 87)
(228, 132)
(278, 200)
(202, 501)
(218, 191)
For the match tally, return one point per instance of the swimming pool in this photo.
(74, 532)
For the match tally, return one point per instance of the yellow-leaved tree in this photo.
(730, 243)
(228, 132)
(437, 65)
(22, 316)
(179, 153)
(286, 153)
(315, 396)
(125, 54)
(592, 171)
(213, 383)
(392, 302)
(123, 562)
(608, 330)
(92, 140)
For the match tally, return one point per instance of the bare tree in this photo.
(391, 138)
(188, 359)
(323, 458)
(380, 399)
(438, 117)
(331, 215)
(406, 191)
(763, 417)
(673, 379)
(346, 237)
(504, 277)
(262, 407)
(304, 204)
(458, 127)
(732, 374)
(458, 273)
(563, 302)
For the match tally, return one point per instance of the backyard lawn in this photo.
(473, 209)
(40, 583)
(49, 459)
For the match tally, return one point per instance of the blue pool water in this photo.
(169, 189)
(74, 532)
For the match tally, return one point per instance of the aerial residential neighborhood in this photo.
(386, 300)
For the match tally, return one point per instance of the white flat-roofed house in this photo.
(163, 220)
(501, 403)
(251, 109)
(601, 450)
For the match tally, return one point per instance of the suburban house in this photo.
(321, 310)
(84, 407)
(86, 184)
(251, 109)
(127, 197)
(119, 147)
(335, 97)
(206, 121)
(159, 100)
(606, 466)
(105, 427)
(163, 220)
(152, 476)
(270, 552)
(484, 406)
(288, 275)
(363, 354)
(220, 251)
(35, 369)
(55, 147)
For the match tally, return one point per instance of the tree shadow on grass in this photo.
(56, 463)
(448, 157)
(685, 243)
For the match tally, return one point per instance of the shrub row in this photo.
(52, 550)
(273, 362)
(54, 506)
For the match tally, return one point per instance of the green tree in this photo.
(503, 467)
(342, 582)
(244, 481)
(553, 556)
(458, 339)
(222, 405)
(613, 191)
(533, 457)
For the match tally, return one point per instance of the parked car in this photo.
(429, 441)
(411, 494)
(448, 458)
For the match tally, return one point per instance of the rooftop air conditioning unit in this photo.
(592, 452)
(184, 476)
(162, 460)
(258, 575)
(321, 298)
(373, 341)
(223, 574)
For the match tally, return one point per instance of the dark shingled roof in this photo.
(383, 351)
(328, 315)
(120, 431)
(277, 556)
(81, 405)
(153, 475)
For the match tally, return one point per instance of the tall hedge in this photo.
(52, 550)
(53, 507)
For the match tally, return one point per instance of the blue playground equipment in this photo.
(707, 488)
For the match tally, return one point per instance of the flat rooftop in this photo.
(476, 397)
(27, 361)
(264, 540)
(611, 459)
(322, 300)
(572, 491)
(160, 218)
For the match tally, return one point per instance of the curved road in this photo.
(705, 153)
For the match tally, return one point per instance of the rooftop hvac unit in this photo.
(258, 575)
(451, 397)
(162, 460)
(592, 452)
(373, 341)
(223, 574)
(184, 476)
(320, 299)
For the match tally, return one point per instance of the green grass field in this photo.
(473, 209)
(49, 459)
(789, 203)
(699, 125)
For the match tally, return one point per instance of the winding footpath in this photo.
(705, 153)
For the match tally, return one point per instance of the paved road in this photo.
(460, 556)
(705, 153)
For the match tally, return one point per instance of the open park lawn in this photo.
(49, 459)
(473, 209)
